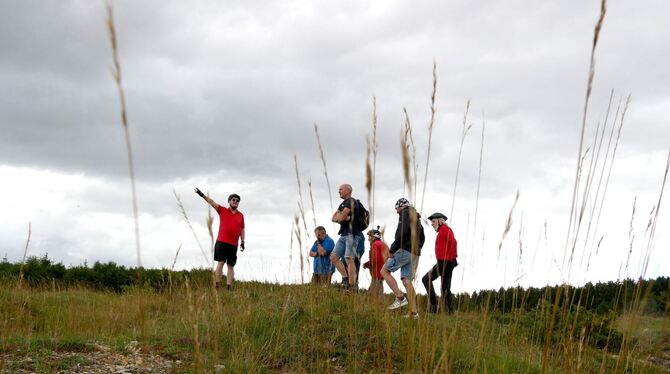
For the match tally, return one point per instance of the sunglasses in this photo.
(235, 199)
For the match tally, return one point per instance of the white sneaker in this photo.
(397, 303)
(414, 316)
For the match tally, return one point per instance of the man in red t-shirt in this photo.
(231, 229)
(445, 252)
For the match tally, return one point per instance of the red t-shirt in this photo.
(230, 225)
(445, 244)
(376, 260)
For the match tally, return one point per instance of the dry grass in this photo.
(25, 253)
(466, 128)
(430, 134)
(116, 74)
(325, 167)
(301, 205)
(182, 210)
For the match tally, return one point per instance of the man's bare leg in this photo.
(218, 271)
(391, 282)
(351, 267)
(411, 295)
(230, 275)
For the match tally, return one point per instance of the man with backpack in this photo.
(405, 252)
(353, 219)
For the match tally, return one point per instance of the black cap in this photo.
(437, 215)
(234, 195)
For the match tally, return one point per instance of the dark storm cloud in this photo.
(210, 87)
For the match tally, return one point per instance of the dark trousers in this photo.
(443, 269)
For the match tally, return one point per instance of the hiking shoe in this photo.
(414, 316)
(398, 303)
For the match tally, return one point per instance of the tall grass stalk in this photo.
(640, 294)
(464, 132)
(430, 133)
(325, 167)
(188, 221)
(301, 206)
(174, 262)
(209, 221)
(574, 223)
(311, 199)
(116, 74)
(25, 253)
(652, 234)
(589, 87)
(368, 173)
(479, 179)
(611, 159)
(595, 156)
(410, 148)
(298, 236)
(508, 223)
(374, 146)
(194, 322)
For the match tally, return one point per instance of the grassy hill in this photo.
(291, 328)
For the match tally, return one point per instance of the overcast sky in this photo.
(221, 95)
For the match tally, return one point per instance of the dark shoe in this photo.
(432, 308)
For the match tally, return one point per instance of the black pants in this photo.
(443, 269)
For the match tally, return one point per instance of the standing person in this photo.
(350, 237)
(445, 252)
(405, 252)
(323, 246)
(379, 253)
(231, 229)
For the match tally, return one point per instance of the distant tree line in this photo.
(599, 298)
(42, 272)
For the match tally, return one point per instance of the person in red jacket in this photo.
(378, 255)
(446, 253)
(231, 230)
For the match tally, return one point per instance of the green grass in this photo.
(268, 328)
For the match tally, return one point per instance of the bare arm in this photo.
(207, 199)
(320, 249)
(342, 216)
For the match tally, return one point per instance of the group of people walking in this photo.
(344, 255)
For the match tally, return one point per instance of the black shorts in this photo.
(224, 252)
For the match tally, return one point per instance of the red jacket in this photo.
(445, 244)
(376, 260)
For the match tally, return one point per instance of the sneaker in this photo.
(398, 303)
(414, 316)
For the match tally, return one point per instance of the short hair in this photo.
(232, 195)
(320, 229)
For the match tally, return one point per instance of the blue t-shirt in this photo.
(322, 264)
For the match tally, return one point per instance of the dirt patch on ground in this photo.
(100, 359)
